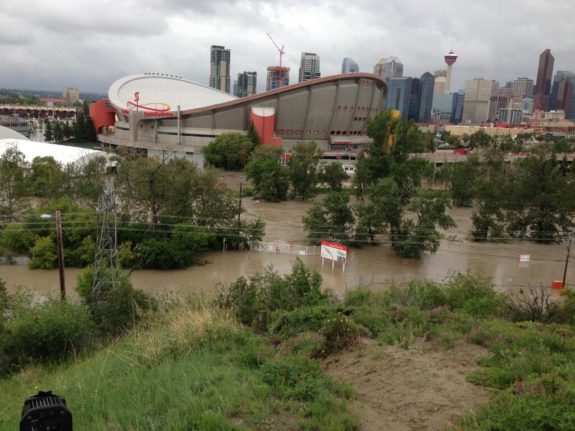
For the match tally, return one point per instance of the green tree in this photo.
(12, 181)
(380, 212)
(420, 233)
(119, 306)
(229, 151)
(393, 140)
(333, 175)
(541, 199)
(80, 128)
(90, 130)
(48, 136)
(491, 189)
(44, 254)
(67, 131)
(17, 238)
(332, 219)
(46, 178)
(269, 178)
(58, 133)
(479, 139)
(303, 167)
(253, 136)
(461, 177)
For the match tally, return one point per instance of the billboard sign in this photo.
(334, 251)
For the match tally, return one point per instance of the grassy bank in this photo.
(253, 359)
(192, 368)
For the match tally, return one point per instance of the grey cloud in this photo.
(90, 43)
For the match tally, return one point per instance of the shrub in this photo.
(535, 305)
(339, 333)
(16, 238)
(44, 254)
(474, 295)
(264, 294)
(47, 332)
(295, 377)
(118, 306)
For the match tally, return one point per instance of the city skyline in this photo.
(88, 44)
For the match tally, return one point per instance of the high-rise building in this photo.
(555, 87)
(414, 100)
(246, 85)
(522, 87)
(389, 68)
(458, 103)
(500, 98)
(450, 60)
(349, 66)
(511, 115)
(398, 95)
(442, 107)
(564, 101)
(71, 95)
(440, 81)
(309, 66)
(427, 83)
(543, 83)
(278, 76)
(477, 100)
(220, 68)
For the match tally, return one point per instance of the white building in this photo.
(477, 100)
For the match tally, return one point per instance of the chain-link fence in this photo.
(285, 248)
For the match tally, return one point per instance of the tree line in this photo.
(81, 130)
(169, 212)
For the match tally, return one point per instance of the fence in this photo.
(285, 248)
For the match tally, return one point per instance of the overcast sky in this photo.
(52, 44)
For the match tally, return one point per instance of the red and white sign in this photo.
(334, 251)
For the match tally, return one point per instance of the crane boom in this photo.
(281, 50)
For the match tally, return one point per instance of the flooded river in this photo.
(373, 267)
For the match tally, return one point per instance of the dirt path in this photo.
(402, 390)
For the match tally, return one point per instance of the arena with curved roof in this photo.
(160, 112)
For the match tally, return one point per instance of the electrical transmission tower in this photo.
(106, 262)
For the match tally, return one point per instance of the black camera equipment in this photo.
(45, 411)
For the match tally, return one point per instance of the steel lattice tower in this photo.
(106, 261)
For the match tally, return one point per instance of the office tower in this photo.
(398, 95)
(511, 115)
(442, 107)
(389, 68)
(543, 83)
(564, 101)
(220, 68)
(555, 87)
(500, 98)
(246, 84)
(71, 95)
(349, 66)
(427, 83)
(450, 60)
(522, 87)
(414, 99)
(458, 103)
(278, 76)
(440, 81)
(477, 100)
(309, 66)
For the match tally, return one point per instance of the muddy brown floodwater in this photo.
(373, 267)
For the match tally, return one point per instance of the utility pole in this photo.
(566, 262)
(60, 247)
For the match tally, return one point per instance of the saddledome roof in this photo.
(157, 93)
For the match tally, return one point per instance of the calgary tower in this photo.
(449, 60)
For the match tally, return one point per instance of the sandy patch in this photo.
(401, 390)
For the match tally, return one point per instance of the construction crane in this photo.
(281, 50)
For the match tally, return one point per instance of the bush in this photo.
(44, 254)
(264, 294)
(119, 306)
(339, 333)
(51, 331)
(295, 377)
(475, 296)
(16, 238)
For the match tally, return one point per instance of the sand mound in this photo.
(401, 390)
